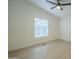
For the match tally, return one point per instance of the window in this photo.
(41, 27)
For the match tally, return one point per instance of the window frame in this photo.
(42, 23)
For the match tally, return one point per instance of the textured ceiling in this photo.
(43, 4)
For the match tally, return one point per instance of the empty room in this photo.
(39, 29)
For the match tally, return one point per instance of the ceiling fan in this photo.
(58, 5)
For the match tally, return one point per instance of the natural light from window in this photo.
(41, 27)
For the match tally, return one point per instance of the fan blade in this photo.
(66, 4)
(51, 2)
(53, 7)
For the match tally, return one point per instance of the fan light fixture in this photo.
(58, 5)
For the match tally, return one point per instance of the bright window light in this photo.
(41, 27)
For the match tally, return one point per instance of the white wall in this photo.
(65, 28)
(21, 25)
